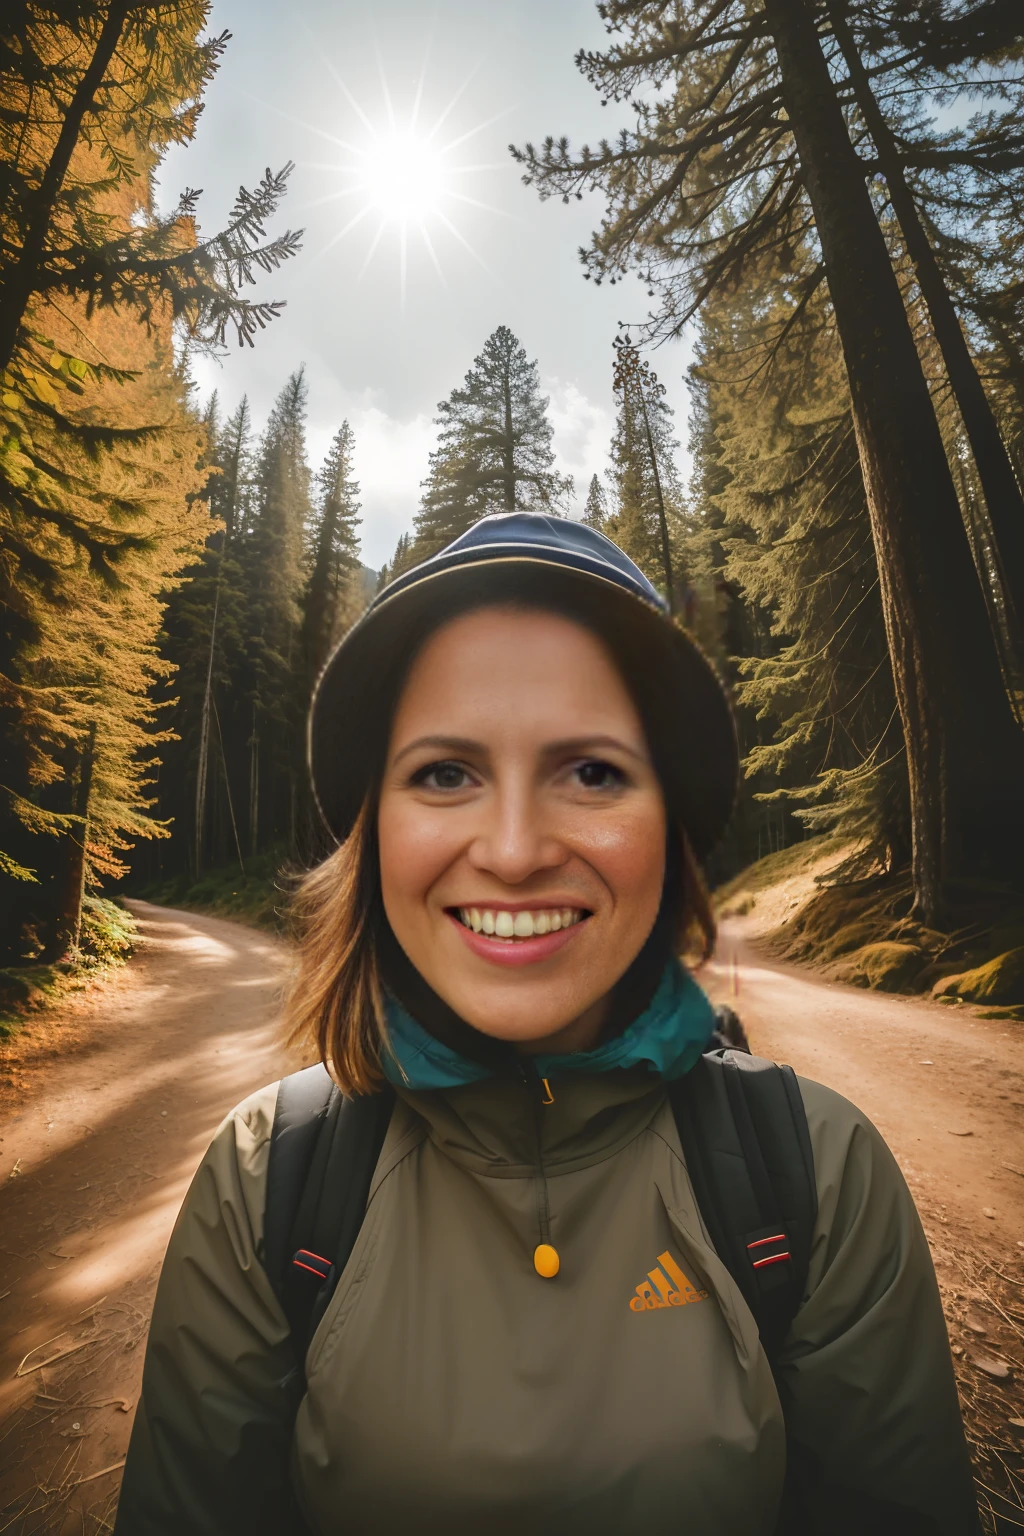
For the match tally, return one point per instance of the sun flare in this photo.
(405, 177)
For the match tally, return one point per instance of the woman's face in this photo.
(521, 826)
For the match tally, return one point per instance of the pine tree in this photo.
(334, 554)
(647, 490)
(89, 729)
(92, 283)
(494, 450)
(786, 500)
(204, 629)
(742, 143)
(403, 559)
(275, 581)
(595, 508)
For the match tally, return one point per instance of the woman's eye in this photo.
(442, 776)
(595, 774)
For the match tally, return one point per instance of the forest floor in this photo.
(107, 1106)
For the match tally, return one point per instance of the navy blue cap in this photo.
(534, 536)
(524, 557)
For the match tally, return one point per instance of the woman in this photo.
(523, 760)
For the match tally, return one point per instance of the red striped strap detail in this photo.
(773, 1258)
(780, 1237)
(316, 1265)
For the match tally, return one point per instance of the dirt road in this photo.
(116, 1100)
(945, 1089)
(117, 1105)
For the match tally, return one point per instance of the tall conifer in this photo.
(595, 508)
(275, 580)
(494, 450)
(648, 494)
(334, 552)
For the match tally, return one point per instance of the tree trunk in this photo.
(21, 284)
(254, 788)
(70, 878)
(666, 552)
(995, 469)
(508, 450)
(203, 759)
(965, 755)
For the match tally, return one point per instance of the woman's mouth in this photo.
(517, 937)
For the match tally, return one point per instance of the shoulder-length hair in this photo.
(336, 997)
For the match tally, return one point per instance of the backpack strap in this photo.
(744, 1136)
(324, 1148)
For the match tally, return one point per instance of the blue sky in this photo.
(312, 81)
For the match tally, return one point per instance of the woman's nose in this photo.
(514, 839)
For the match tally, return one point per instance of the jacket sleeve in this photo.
(875, 1437)
(212, 1434)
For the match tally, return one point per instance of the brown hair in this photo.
(336, 996)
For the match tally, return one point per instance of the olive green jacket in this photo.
(450, 1388)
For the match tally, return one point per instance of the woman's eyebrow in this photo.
(467, 747)
(457, 744)
(590, 743)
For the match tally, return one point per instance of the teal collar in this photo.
(667, 1038)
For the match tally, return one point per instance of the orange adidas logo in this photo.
(665, 1287)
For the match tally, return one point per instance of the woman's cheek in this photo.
(415, 848)
(628, 852)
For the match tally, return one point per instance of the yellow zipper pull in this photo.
(545, 1261)
(547, 1089)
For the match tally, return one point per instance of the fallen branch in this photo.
(114, 1467)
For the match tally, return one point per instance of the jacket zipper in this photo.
(545, 1256)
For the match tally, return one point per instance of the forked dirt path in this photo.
(116, 1105)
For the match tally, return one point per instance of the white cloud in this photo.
(583, 433)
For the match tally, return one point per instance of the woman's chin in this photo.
(532, 1023)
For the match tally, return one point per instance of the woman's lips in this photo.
(515, 951)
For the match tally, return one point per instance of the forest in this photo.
(828, 193)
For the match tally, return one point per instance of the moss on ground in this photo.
(999, 981)
(106, 939)
(259, 896)
(883, 967)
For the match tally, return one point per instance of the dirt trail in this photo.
(945, 1089)
(117, 1106)
(118, 1102)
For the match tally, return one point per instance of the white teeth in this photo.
(520, 925)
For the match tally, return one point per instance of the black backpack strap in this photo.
(302, 1103)
(323, 1152)
(748, 1152)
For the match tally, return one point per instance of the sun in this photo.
(403, 176)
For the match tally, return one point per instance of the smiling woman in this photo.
(506, 1300)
